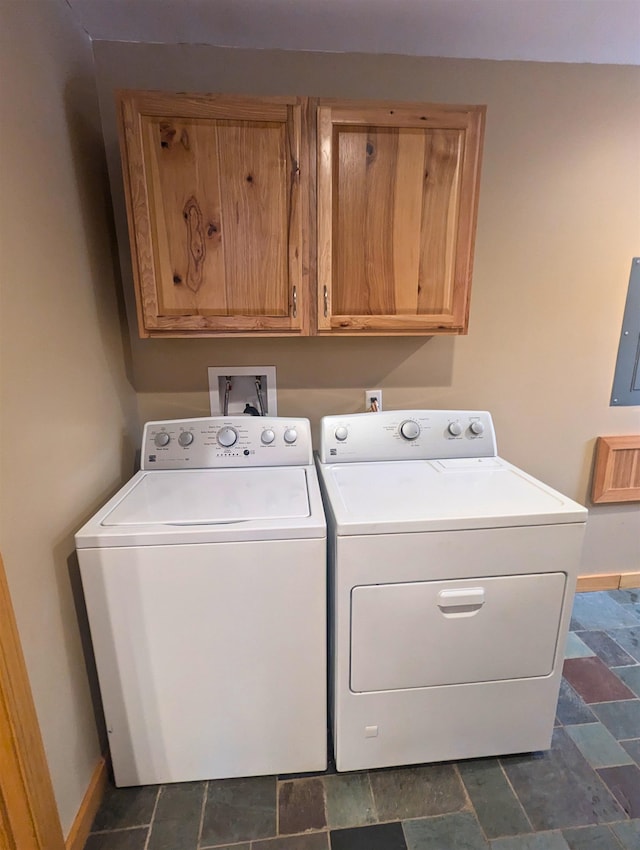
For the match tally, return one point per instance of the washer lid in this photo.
(206, 497)
(212, 505)
(438, 495)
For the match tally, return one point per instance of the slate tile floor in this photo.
(583, 794)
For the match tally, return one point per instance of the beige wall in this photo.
(559, 222)
(68, 414)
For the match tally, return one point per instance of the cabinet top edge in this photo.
(335, 102)
(158, 94)
(289, 100)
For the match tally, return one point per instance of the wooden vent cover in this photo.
(616, 477)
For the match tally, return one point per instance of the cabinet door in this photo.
(397, 199)
(217, 193)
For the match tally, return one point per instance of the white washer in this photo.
(452, 576)
(205, 584)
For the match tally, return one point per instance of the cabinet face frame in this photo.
(136, 108)
(469, 122)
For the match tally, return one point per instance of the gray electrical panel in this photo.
(626, 381)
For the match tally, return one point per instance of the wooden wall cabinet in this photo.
(216, 209)
(226, 237)
(397, 204)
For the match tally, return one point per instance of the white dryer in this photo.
(205, 585)
(452, 575)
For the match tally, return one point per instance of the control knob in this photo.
(455, 429)
(477, 427)
(290, 435)
(227, 437)
(267, 436)
(341, 433)
(162, 439)
(185, 439)
(409, 429)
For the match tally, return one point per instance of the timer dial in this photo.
(409, 429)
(227, 437)
(341, 433)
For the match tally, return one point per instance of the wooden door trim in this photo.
(29, 817)
(81, 826)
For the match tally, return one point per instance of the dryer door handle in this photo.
(461, 597)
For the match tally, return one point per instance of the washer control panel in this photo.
(225, 441)
(407, 435)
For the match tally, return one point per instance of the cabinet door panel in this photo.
(407, 216)
(184, 206)
(363, 245)
(396, 216)
(254, 217)
(440, 212)
(213, 188)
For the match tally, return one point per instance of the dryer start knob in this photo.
(290, 435)
(410, 429)
(227, 437)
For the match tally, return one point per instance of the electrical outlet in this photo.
(373, 400)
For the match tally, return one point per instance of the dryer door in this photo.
(423, 634)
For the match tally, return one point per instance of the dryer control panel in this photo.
(226, 441)
(407, 435)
